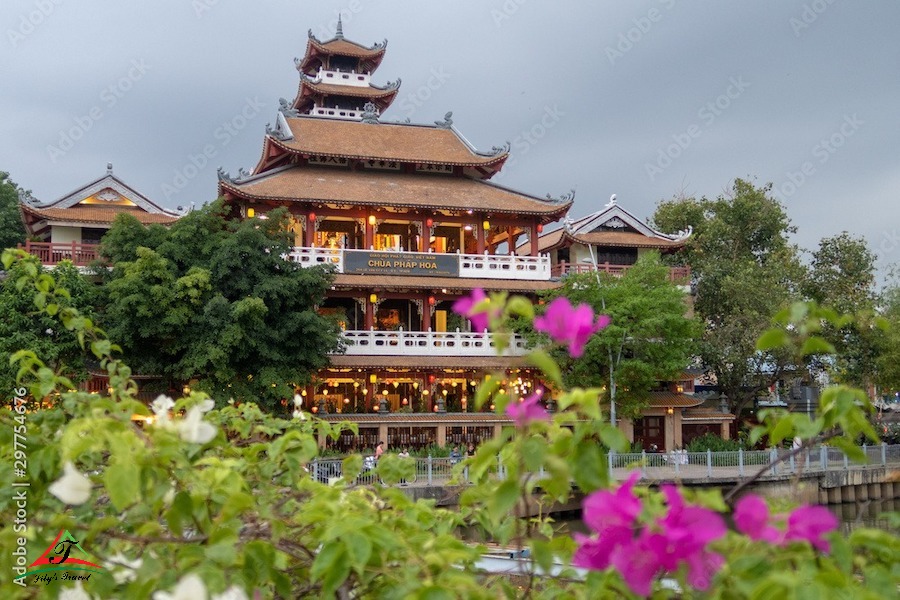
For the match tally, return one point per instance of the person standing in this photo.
(379, 450)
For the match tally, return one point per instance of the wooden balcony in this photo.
(680, 275)
(428, 343)
(50, 253)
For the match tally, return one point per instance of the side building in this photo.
(70, 228)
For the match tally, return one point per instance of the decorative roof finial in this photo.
(109, 168)
(370, 113)
(612, 200)
(339, 32)
(447, 123)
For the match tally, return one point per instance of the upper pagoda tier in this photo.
(375, 145)
(335, 78)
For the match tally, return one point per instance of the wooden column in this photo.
(370, 314)
(479, 239)
(310, 232)
(534, 240)
(426, 314)
(510, 241)
(425, 238)
(370, 236)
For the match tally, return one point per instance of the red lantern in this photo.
(431, 300)
(431, 379)
(540, 227)
(429, 222)
(312, 216)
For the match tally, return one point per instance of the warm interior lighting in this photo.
(468, 228)
(325, 392)
(372, 220)
(375, 408)
(251, 212)
(670, 411)
(384, 393)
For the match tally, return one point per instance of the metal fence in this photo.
(677, 464)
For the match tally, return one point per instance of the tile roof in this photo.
(405, 361)
(384, 141)
(706, 414)
(369, 282)
(347, 90)
(346, 48)
(673, 400)
(629, 239)
(96, 214)
(384, 188)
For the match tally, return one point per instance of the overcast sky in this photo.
(642, 99)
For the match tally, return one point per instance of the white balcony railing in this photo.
(336, 113)
(428, 343)
(476, 266)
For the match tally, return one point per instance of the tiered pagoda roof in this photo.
(317, 52)
(297, 139)
(412, 191)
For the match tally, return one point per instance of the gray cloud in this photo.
(809, 63)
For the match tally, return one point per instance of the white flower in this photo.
(194, 429)
(232, 593)
(74, 593)
(207, 405)
(298, 414)
(72, 487)
(161, 407)
(298, 400)
(190, 587)
(122, 569)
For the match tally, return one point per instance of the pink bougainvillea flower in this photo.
(570, 326)
(527, 410)
(702, 566)
(690, 528)
(751, 516)
(638, 561)
(810, 523)
(604, 510)
(594, 552)
(466, 305)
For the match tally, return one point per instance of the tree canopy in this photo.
(12, 231)
(22, 327)
(650, 337)
(213, 300)
(745, 269)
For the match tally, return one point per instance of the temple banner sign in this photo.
(401, 263)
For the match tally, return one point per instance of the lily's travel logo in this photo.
(60, 562)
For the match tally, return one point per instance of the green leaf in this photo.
(534, 448)
(331, 567)
(123, 484)
(504, 499)
(542, 360)
(613, 438)
(772, 339)
(816, 345)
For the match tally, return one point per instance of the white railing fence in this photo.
(432, 343)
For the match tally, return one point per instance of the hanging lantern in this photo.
(375, 407)
(365, 391)
(404, 402)
(372, 378)
(251, 212)
(540, 227)
(431, 378)
(315, 409)
(312, 216)
(429, 222)
(486, 225)
(431, 301)
(372, 220)
(373, 298)
(415, 385)
(346, 400)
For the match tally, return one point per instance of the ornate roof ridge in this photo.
(110, 180)
(382, 45)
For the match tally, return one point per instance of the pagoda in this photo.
(406, 217)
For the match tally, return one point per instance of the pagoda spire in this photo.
(339, 32)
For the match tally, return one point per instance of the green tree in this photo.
(22, 327)
(12, 231)
(744, 269)
(888, 361)
(214, 300)
(842, 277)
(650, 338)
